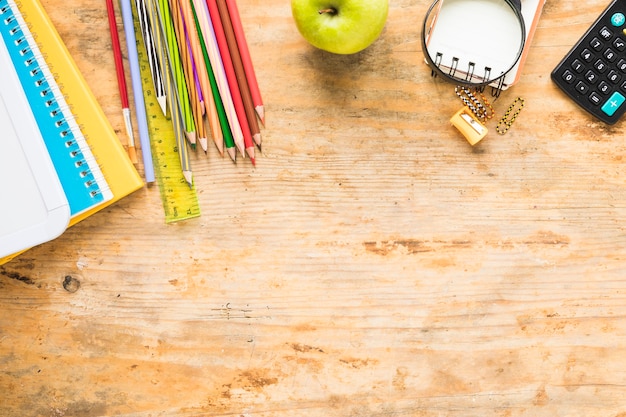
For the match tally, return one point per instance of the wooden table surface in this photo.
(372, 264)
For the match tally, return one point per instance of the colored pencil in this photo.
(204, 85)
(175, 67)
(200, 70)
(121, 80)
(135, 77)
(170, 91)
(216, 113)
(219, 72)
(188, 72)
(153, 59)
(240, 74)
(244, 51)
(232, 79)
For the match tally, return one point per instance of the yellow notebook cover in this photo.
(116, 166)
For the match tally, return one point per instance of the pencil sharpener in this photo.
(469, 125)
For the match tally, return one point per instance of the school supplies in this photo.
(169, 147)
(121, 80)
(135, 78)
(34, 208)
(592, 72)
(111, 174)
(480, 42)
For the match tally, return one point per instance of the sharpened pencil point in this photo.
(191, 137)
(188, 177)
(163, 104)
(232, 152)
(260, 111)
(257, 139)
(250, 152)
(204, 143)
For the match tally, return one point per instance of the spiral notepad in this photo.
(452, 39)
(81, 178)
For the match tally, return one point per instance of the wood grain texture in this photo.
(372, 264)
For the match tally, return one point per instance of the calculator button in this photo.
(606, 33)
(610, 55)
(569, 77)
(592, 77)
(587, 55)
(619, 44)
(614, 76)
(604, 87)
(600, 66)
(621, 65)
(613, 104)
(582, 88)
(595, 98)
(596, 44)
(618, 19)
(578, 66)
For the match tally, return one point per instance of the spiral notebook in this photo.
(92, 166)
(36, 210)
(452, 44)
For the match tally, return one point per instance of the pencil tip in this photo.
(191, 137)
(260, 110)
(163, 104)
(250, 152)
(189, 178)
(232, 152)
(204, 143)
(257, 139)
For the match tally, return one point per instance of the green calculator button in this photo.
(613, 104)
(618, 19)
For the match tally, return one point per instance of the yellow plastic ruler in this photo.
(180, 201)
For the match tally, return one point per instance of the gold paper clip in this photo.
(465, 121)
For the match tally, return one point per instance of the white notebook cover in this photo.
(33, 206)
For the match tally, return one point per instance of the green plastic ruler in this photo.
(180, 201)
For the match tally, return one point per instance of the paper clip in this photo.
(469, 126)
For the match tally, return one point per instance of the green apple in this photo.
(340, 26)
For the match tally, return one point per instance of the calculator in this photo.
(593, 73)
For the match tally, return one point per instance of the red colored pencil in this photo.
(246, 58)
(240, 73)
(121, 79)
(232, 78)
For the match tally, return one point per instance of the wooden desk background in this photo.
(372, 264)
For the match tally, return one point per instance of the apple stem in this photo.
(330, 10)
